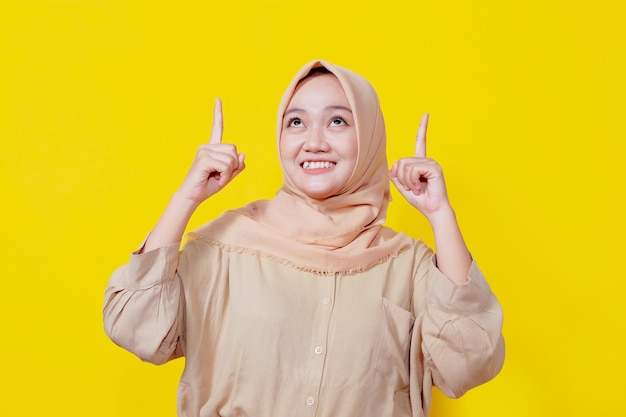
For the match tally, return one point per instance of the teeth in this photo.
(317, 164)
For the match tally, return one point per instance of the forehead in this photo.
(318, 87)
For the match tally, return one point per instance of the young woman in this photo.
(306, 304)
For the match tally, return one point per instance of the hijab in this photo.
(340, 234)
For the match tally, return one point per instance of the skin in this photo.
(420, 181)
(317, 136)
(215, 165)
(318, 128)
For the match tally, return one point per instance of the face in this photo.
(318, 143)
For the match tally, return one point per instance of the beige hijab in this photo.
(340, 234)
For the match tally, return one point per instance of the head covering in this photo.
(340, 234)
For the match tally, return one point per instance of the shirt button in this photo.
(326, 301)
(318, 350)
(310, 401)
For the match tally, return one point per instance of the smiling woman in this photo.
(318, 143)
(306, 304)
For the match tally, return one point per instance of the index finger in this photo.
(420, 140)
(218, 123)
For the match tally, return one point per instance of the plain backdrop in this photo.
(103, 104)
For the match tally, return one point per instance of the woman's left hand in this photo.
(420, 179)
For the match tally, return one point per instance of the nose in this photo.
(316, 141)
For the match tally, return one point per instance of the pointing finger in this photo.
(218, 123)
(420, 140)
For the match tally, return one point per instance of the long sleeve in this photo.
(462, 338)
(144, 304)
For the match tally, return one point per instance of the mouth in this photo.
(317, 164)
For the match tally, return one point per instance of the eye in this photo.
(294, 122)
(338, 121)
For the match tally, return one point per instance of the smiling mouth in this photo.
(317, 164)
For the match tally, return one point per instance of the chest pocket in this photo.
(392, 361)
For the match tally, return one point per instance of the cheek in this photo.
(285, 153)
(281, 146)
(282, 150)
(287, 147)
(352, 148)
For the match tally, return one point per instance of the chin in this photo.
(317, 194)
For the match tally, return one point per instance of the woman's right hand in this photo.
(214, 166)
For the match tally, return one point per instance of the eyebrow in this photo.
(298, 110)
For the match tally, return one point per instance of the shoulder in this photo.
(413, 248)
(222, 226)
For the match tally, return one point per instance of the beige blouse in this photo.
(264, 339)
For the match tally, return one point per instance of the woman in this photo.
(306, 304)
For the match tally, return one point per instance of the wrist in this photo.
(444, 215)
(182, 204)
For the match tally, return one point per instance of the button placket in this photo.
(320, 339)
(325, 313)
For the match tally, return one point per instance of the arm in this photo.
(420, 180)
(144, 302)
(462, 320)
(461, 331)
(215, 165)
(143, 306)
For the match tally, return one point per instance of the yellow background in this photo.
(103, 104)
